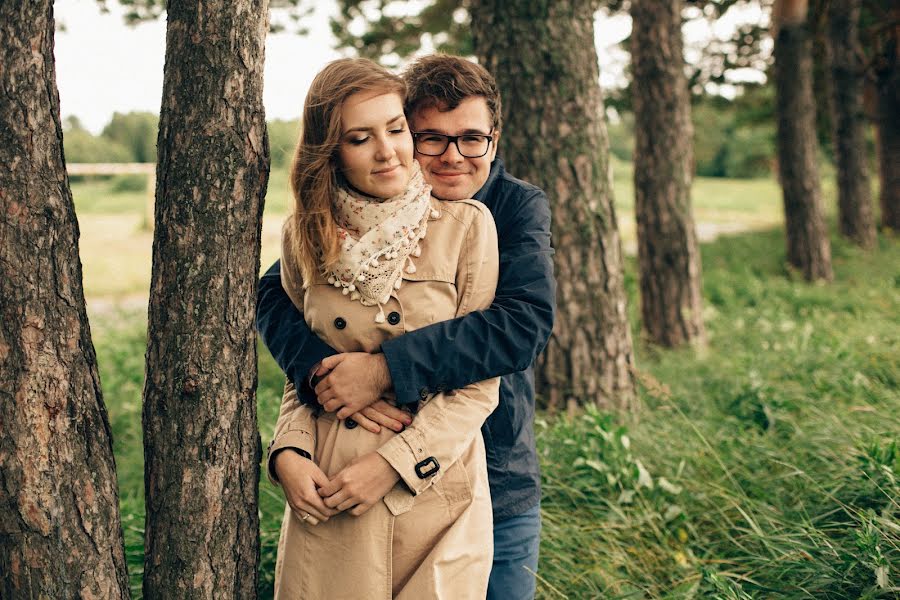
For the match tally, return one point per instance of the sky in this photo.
(104, 66)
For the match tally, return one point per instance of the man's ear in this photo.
(494, 145)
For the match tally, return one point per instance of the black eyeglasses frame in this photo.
(454, 139)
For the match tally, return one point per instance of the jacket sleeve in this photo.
(296, 428)
(296, 425)
(447, 423)
(504, 338)
(285, 333)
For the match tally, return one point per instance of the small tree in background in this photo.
(855, 215)
(668, 253)
(808, 248)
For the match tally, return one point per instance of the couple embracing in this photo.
(414, 291)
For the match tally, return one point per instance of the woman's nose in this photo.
(384, 149)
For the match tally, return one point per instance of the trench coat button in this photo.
(427, 467)
(350, 424)
(423, 393)
(393, 318)
(340, 323)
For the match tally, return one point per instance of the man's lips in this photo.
(447, 174)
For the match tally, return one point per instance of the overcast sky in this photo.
(104, 66)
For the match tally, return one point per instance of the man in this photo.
(454, 111)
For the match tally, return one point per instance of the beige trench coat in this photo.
(431, 536)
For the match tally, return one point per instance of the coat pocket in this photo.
(454, 487)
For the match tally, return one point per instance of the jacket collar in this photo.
(496, 173)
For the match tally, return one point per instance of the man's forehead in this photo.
(471, 115)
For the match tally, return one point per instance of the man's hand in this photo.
(382, 413)
(356, 380)
(361, 484)
(300, 478)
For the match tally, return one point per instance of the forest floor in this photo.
(765, 466)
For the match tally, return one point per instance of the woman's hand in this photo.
(380, 414)
(300, 478)
(359, 485)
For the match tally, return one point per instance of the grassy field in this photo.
(764, 467)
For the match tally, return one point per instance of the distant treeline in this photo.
(732, 138)
(131, 137)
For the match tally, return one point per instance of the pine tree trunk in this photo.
(887, 76)
(808, 248)
(543, 56)
(668, 253)
(201, 444)
(60, 531)
(855, 215)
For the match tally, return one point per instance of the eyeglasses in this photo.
(470, 145)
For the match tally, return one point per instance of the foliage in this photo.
(137, 131)
(388, 31)
(283, 13)
(81, 146)
(283, 137)
(766, 468)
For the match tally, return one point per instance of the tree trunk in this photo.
(60, 531)
(808, 248)
(543, 56)
(855, 216)
(201, 444)
(887, 77)
(668, 253)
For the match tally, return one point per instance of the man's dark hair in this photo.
(443, 81)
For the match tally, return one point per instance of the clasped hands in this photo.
(350, 385)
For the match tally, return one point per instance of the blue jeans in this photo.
(516, 544)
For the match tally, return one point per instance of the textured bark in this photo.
(808, 248)
(60, 531)
(887, 75)
(668, 253)
(543, 56)
(855, 215)
(202, 447)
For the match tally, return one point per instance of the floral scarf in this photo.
(378, 239)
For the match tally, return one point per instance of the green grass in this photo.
(764, 467)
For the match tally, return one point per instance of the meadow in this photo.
(765, 466)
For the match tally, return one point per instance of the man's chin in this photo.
(450, 195)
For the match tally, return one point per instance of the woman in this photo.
(369, 254)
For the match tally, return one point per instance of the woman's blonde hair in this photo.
(315, 171)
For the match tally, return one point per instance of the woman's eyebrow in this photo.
(393, 120)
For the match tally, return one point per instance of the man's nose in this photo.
(451, 154)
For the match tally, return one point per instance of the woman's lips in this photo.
(387, 171)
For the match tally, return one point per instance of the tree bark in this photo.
(543, 56)
(887, 76)
(60, 531)
(201, 444)
(668, 253)
(855, 215)
(808, 248)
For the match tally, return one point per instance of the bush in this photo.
(136, 131)
(283, 137)
(81, 146)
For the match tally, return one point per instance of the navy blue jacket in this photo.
(503, 340)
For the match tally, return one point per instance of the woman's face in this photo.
(376, 148)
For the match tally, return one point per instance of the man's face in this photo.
(453, 176)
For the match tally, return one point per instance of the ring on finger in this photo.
(305, 517)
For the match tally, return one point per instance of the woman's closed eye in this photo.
(358, 141)
(398, 130)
